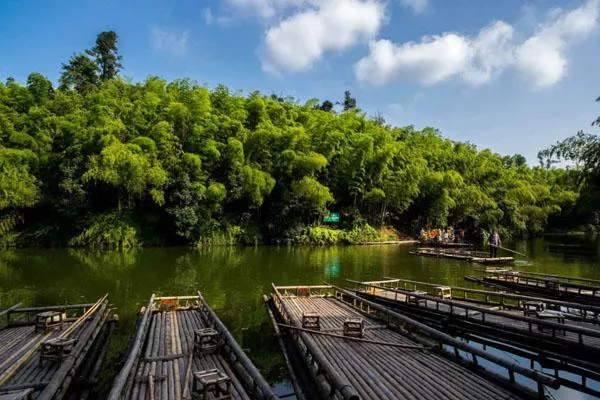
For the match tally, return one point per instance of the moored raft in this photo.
(182, 350)
(436, 243)
(556, 286)
(357, 349)
(43, 348)
(539, 325)
(471, 256)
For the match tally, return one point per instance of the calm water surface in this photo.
(233, 281)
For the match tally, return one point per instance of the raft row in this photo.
(538, 328)
(387, 361)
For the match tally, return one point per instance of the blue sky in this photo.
(513, 76)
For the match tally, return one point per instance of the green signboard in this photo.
(332, 218)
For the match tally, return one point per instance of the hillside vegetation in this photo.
(103, 161)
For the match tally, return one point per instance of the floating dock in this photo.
(182, 350)
(561, 287)
(43, 350)
(471, 256)
(537, 326)
(357, 349)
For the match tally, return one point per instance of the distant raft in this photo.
(45, 350)
(472, 256)
(182, 350)
(356, 349)
(437, 243)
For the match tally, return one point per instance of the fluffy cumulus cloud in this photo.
(295, 43)
(478, 59)
(170, 41)
(418, 6)
(543, 56)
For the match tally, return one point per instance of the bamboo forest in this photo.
(100, 160)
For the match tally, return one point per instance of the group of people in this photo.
(447, 235)
(450, 235)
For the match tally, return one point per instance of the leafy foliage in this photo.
(101, 159)
(583, 151)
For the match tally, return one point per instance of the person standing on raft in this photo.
(494, 243)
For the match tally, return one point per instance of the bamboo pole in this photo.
(81, 319)
(188, 373)
(177, 349)
(151, 380)
(121, 378)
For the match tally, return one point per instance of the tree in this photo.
(327, 106)
(80, 73)
(349, 101)
(40, 87)
(106, 54)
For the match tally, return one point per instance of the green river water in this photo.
(233, 281)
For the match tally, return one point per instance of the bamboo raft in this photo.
(393, 357)
(182, 350)
(501, 299)
(471, 256)
(538, 329)
(561, 287)
(42, 349)
(435, 243)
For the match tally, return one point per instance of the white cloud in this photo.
(208, 16)
(437, 58)
(301, 39)
(269, 8)
(170, 41)
(477, 60)
(219, 19)
(418, 6)
(542, 56)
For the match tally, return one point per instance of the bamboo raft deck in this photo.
(567, 288)
(43, 348)
(388, 362)
(166, 356)
(510, 326)
(435, 243)
(471, 256)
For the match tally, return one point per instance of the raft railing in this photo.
(592, 282)
(590, 313)
(478, 313)
(403, 323)
(548, 282)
